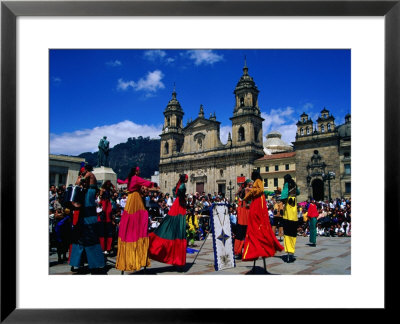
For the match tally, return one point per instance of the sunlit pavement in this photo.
(331, 256)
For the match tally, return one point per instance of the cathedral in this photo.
(323, 157)
(319, 161)
(196, 149)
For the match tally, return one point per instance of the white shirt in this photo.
(122, 202)
(169, 202)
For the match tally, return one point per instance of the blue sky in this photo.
(123, 93)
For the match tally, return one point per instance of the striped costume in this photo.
(168, 242)
(133, 239)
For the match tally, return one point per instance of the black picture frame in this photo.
(10, 10)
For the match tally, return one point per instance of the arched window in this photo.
(304, 119)
(322, 128)
(308, 130)
(178, 122)
(166, 148)
(241, 102)
(200, 143)
(241, 134)
(329, 127)
(168, 122)
(301, 131)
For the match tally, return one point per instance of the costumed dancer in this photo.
(260, 241)
(242, 219)
(85, 232)
(133, 239)
(312, 214)
(106, 229)
(168, 242)
(290, 218)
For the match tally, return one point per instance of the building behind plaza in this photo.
(319, 159)
(196, 149)
(63, 169)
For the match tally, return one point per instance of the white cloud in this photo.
(151, 83)
(158, 56)
(204, 56)
(153, 55)
(282, 120)
(86, 140)
(224, 132)
(114, 63)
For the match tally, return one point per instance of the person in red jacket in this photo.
(312, 215)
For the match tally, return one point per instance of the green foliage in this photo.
(142, 151)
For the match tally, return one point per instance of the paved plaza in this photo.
(331, 256)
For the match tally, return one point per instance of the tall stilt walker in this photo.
(290, 218)
(85, 234)
(133, 239)
(260, 241)
(168, 242)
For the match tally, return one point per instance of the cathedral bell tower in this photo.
(172, 133)
(246, 120)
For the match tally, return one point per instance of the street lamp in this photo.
(330, 176)
(230, 188)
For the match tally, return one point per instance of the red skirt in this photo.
(168, 242)
(260, 241)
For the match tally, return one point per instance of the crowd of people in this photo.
(179, 217)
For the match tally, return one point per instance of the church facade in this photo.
(197, 150)
(323, 157)
(320, 160)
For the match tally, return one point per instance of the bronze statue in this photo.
(104, 149)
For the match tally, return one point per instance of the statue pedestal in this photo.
(105, 173)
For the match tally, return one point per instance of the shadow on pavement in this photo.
(259, 271)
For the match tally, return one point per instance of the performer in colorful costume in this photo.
(260, 241)
(242, 219)
(85, 235)
(168, 242)
(133, 240)
(106, 230)
(290, 218)
(312, 214)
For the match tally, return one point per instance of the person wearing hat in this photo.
(290, 218)
(133, 238)
(312, 215)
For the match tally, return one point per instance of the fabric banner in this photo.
(222, 237)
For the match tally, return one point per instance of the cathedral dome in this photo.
(275, 144)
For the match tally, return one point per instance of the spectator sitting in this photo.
(168, 200)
